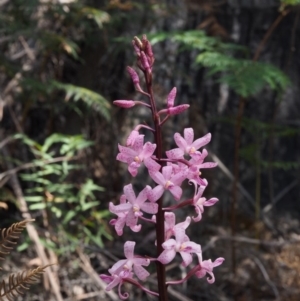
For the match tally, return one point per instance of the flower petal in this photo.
(180, 142)
(152, 165)
(155, 193)
(175, 153)
(150, 208)
(129, 249)
(167, 172)
(129, 192)
(157, 177)
(201, 141)
(187, 258)
(140, 272)
(176, 192)
(188, 135)
(210, 202)
(166, 256)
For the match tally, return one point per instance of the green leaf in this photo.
(92, 99)
(38, 206)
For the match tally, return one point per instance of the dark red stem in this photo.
(160, 226)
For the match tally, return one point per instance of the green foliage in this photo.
(52, 187)
(244, 76)
(290, 2)
(92, 99)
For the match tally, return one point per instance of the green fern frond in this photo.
(245, 77)
(19, 283)
(9, 237)
(91, 98)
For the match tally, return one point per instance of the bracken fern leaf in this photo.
(19, 283)
(10, 236)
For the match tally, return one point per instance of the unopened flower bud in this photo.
(178, 109)
(144, 61)
(138, 42)
(134, 75)
(136, 48)
(171, 97)
(148, 49)
(124, 103)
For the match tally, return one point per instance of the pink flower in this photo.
(119, 223)
(199, 202)
(131, 263)
(166, 181)
(207, 266)
(182, 245)
(115, 280)
(170, 225)
(187, 145)
(134, 208)
(138, 153)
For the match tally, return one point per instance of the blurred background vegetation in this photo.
(236, 62)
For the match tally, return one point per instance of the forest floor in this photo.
(267, 266)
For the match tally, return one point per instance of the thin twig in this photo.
(87, 267)
(266, 276)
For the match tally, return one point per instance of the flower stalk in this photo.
(168, 173)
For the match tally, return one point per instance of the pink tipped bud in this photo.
(178, 109)
(136, 48)
(131, 138)
(148, 49)
(144, 61)
(171, 97)
(134, 75)
(124, 103)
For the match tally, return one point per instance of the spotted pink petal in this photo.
(167, 256)
(155, 193)
(129, 192)
(129, 249)
(176, 192)
(175, 153)
(138, 144)
(150, 208)
(188, 134)
(201, 141)
(157, 177)
(180, 141)
(148, 150)
(131, 138)
(140, 272)
(152, 165)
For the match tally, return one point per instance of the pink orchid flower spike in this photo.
(199, 202)
(167, 180)
(180, 244)
(187, 145)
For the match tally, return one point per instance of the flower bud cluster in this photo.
(183, 163)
